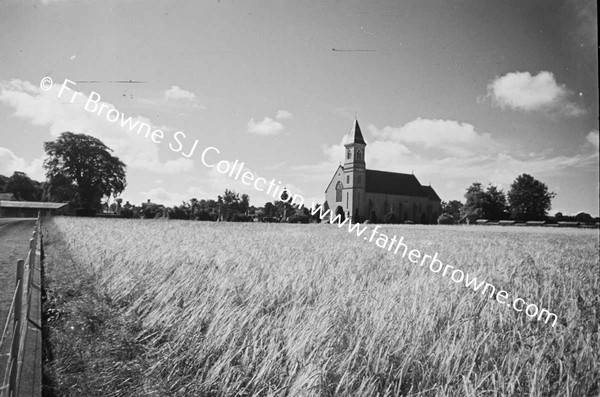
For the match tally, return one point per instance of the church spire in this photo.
(355, 135)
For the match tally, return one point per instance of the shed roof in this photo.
(31, 204)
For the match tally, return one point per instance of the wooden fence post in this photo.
(19, 286)
(16, 342)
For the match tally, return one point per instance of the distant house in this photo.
(29, 209)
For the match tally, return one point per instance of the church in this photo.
(368, 194)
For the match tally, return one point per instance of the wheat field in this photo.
(152, 307)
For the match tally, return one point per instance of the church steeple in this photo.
(355, 148)
(355, 135)
(354, 177)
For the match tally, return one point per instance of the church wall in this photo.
(416, 209)
(330, 193)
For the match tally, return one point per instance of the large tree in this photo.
(489, 203)
(529, 199)
(453, 208)
(88, 164)
(23, 187)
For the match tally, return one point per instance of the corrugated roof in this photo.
(32, 204)
(355, 135)
(393, 183)
(431, 193)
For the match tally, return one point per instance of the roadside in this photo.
(14, 244)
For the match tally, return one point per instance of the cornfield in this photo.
(221, 309)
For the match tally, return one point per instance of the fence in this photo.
(24, 359)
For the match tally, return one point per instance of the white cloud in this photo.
(593, 138)
(10, 163)
(177, 93)
(522, 91)
(446, 136)
(269, 126)
(283, 114)
(44, 108)
(266, 127)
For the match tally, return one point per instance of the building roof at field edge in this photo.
(393, 183)
(429, 192)
(32, 204)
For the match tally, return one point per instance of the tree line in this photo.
(81, 170)
(528, 199)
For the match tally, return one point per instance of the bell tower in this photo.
(354, 175)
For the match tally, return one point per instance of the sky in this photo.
(454, 91)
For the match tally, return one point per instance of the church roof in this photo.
(431, 193)
(393, 183)
(355, 135)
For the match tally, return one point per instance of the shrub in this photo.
(85, 212)
(446, 219)
(127, 213)
(390, 217)
(269, 219)
(298, 219)
(178, 213)
(205, 216)
(373, 217)
(241, 218)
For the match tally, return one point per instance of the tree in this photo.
(3, 183)
(60, 188)
(231, 204)
(529, 199)
(495, 205)
(489, 203)
(452, 207)
(23, 187)
(88, 164)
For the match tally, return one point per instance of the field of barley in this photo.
(178, 308)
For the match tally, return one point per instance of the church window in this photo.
(349, 154)
(347, 179)
(347, 199)
(338, 192)
(359, 154)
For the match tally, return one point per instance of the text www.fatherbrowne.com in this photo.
(396, 245)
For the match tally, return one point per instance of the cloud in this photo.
(177, 93)
(45, 108)
(448, 137)
(266, 127)
(10, 163)
(283, 114)
(522, 91)
(593, 138)
(269, 126)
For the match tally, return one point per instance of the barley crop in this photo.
(309, 310)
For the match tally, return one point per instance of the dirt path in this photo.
(14, 244)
